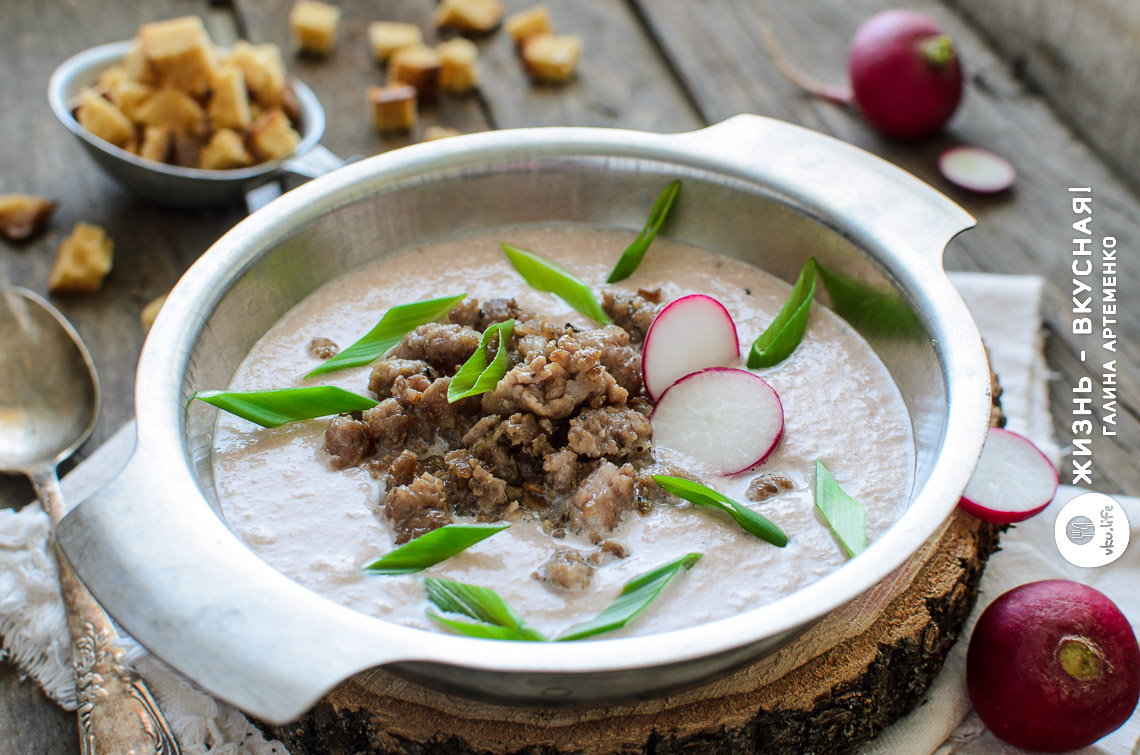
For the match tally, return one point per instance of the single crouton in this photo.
(23, 215)
(314, 26)
(263, 68)
(186, 148)
(550, 57)
(109, 80)
(129, 95)
(271, 137)
(98, 115)
(472, 16)
(224, 151)
(173, 106)
(229, 103)
(417, 65)
(432, 133)
(156, 143)
(394, 107)
(529, 22)
(83, 260)
(255, 111)
(150, 312)
(137, 66)
(458, 72)
(386, 37)
(180, 52)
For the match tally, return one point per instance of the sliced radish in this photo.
(729, 420)
(977, 170)
(1012, 482)
(689, 334)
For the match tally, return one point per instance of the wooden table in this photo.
(657, 65)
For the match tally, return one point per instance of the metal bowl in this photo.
(171, 184)
(157, 553)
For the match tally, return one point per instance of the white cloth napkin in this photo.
(33, 632)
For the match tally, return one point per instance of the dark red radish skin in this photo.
(976, 169)
(906, 78)
(1031, 473)
(1053, 666)
(662, 353)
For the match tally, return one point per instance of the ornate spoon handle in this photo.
(116, 711)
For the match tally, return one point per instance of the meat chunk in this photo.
(650, 492)
(442, 345)
(609, 431)
(634, 314)
(471, 483)
(402, 470)
(566, 570)
(465, 312)
(600, 501)
(347, 442)
(766, 486)
(386, 371)
(416, 508)
(561, 470)
(323, 348)
(617, 357)
(387, 423)
(435, 416)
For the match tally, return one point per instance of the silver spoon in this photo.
(49, 403)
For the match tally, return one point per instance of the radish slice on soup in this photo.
(689, 334)
(1012, 482)
(729, 420)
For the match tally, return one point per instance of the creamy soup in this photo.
(320, 525)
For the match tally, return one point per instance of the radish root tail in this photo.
(837, 94)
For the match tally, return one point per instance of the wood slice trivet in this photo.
(862, 667)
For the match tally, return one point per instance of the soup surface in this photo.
(320, 525)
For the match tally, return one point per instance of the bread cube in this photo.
(394, 107)
(432, 133)
(417, 65)
(137, 66)
(469, 16)
(386, 37)
(156, 142)
(109, 80)
(180, 52)
(263, 68)
(528, 23)
(229, 103)
(129, 96)
(224, 151)
(458, 72)
(150, 312)
(172, 106)
(23, 215)
(83, 260)
(99, 116)
(552, 58)
(314, 26)
(271, 137)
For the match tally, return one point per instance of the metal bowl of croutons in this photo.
(179, 122)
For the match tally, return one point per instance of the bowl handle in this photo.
(313, 164)
(174, 591)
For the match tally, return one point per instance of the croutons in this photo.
(23, 215)
(458, 72)
(552, 58)
(129, 96)
(109, 80)
(314, 26)
(156, 142)
(432, 133)
(137, 66)
(529, 22)
(224, 151)
(472, 16)
(271, 137)
(417, 65)
(385, 37)
(83, 260)
(229, 104)
(99, 116)
(180, 53)
(394, 107)
(150, 312)
(173, 106)
(263, 68)
(186, 149)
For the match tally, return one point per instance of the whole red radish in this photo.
(1053, 666)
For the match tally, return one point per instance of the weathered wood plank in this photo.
(29, 721)
(716, 48)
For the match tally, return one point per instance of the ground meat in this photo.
(650, 492)
(616, 355)
(323, 348)
(634, 314)
(602, 498)
(608, 550)
(386, 371)
(347, 442)
(387, 423)
(472, 314)
(565, 570)
(561, 470)
(471, 484)
(766, 486)
(465, 313)
(436, 416)
(609, 431)
(402, 470)
(416, 508)
(442, 345)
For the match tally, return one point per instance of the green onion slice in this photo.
(396, 323)
(749, 520)
(638, 593)
(546, 276)
(433, 547)
(476, 376)
(277, 407)
(785, 333)
(634, 253)
(495, 619)
(846, 516)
